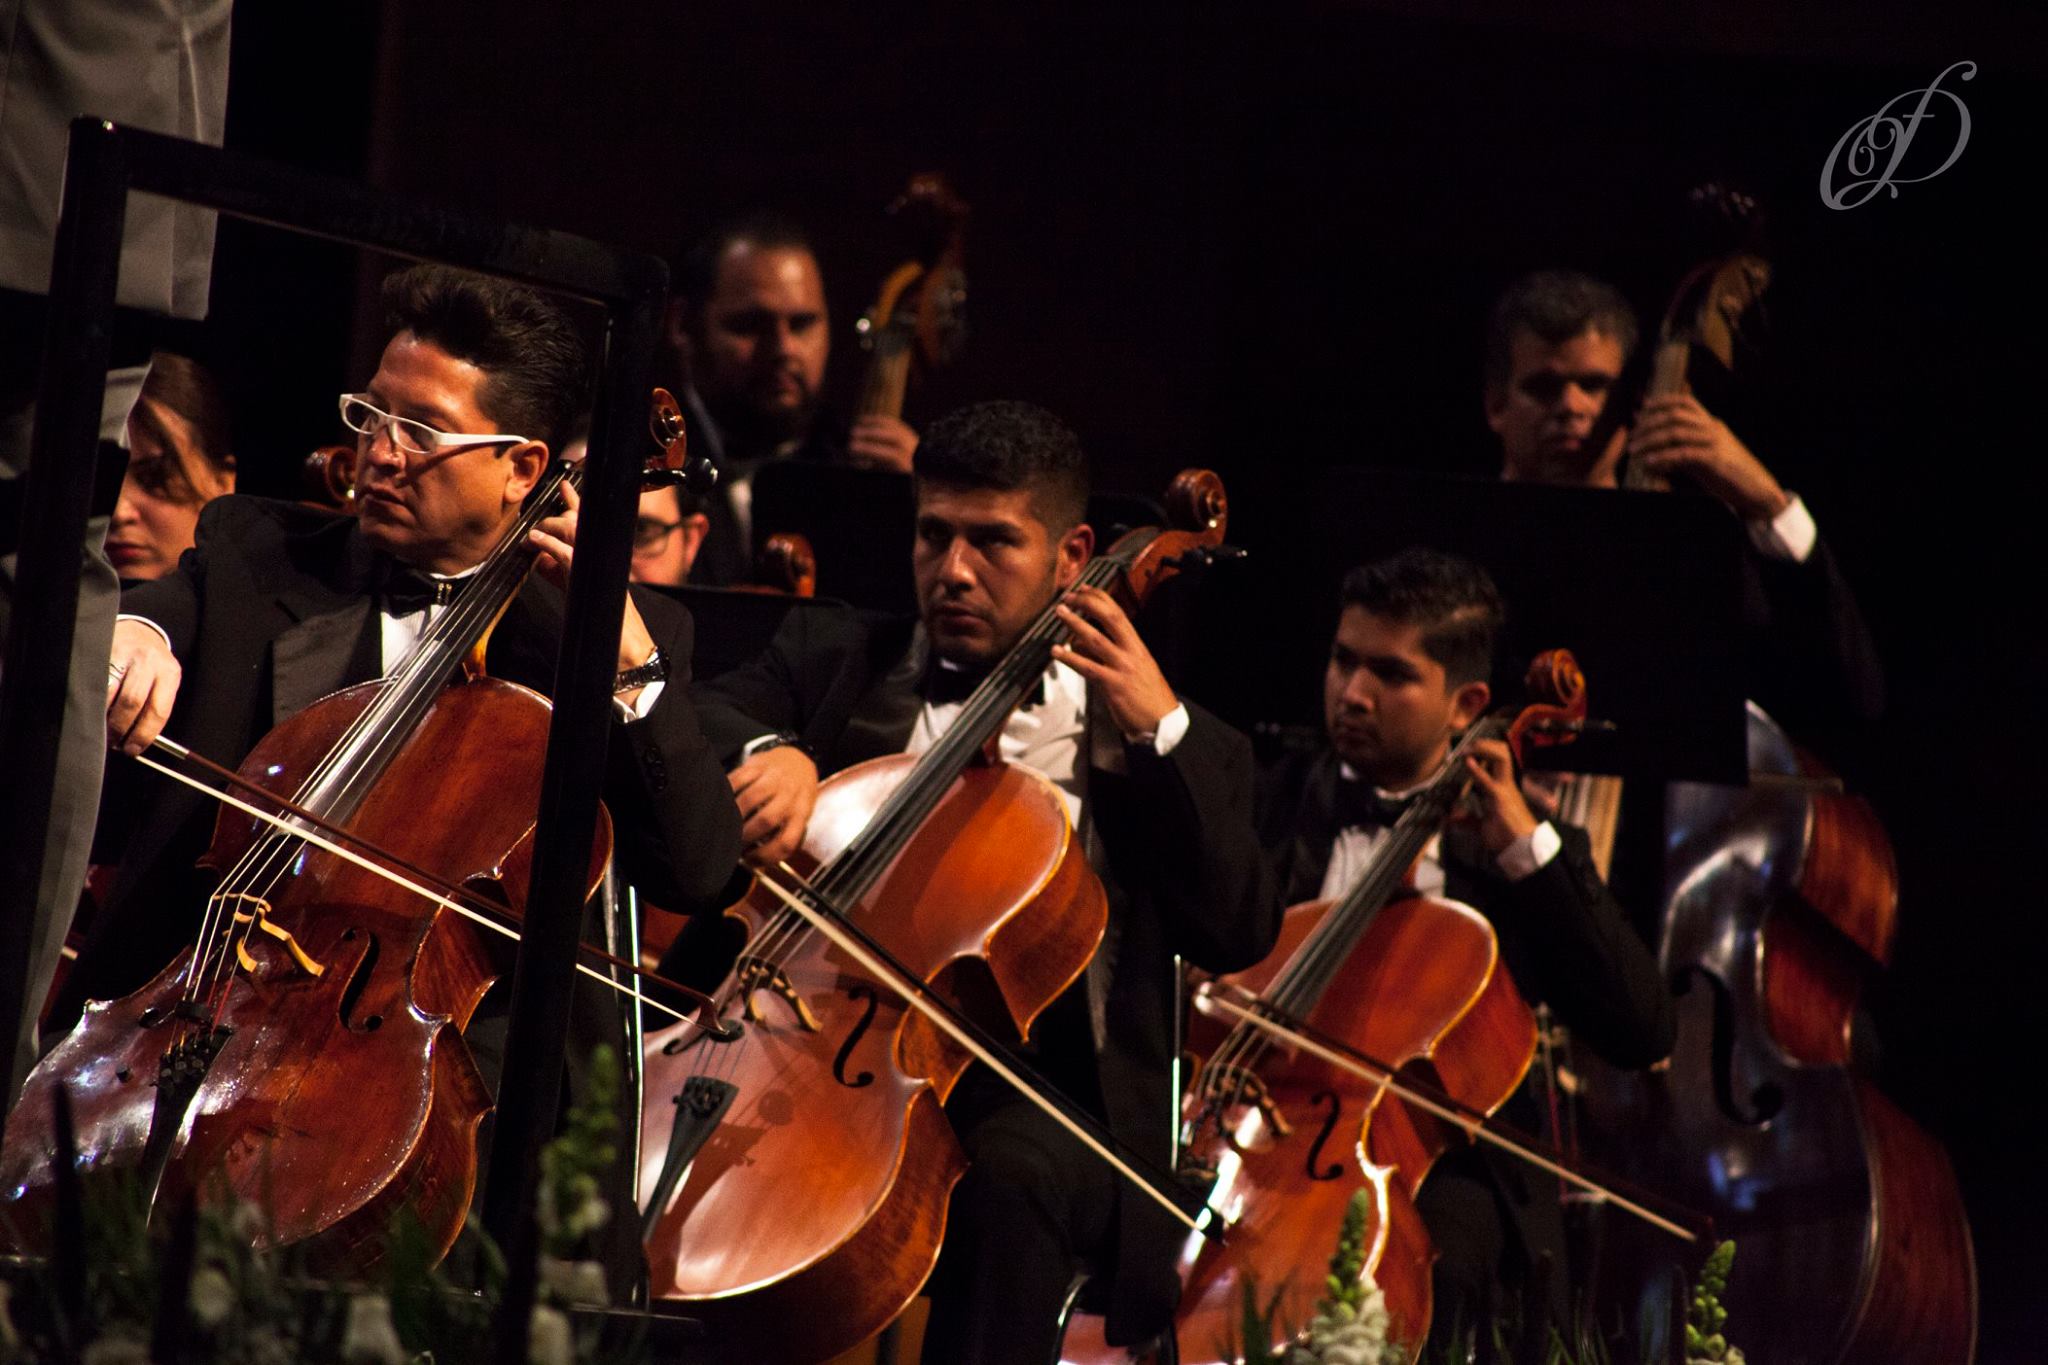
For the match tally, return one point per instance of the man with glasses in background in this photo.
(667, 535)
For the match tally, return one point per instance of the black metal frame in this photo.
(106, 164)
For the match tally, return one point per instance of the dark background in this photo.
(1266, 242)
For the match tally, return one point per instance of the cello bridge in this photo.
(259, 917)
(1231, 1087)
(756, 975)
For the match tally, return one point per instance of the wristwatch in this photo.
(653, 671)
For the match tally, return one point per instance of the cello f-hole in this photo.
(1315, 1152)
(1766, 1099)
(859, 992)
(358, 979)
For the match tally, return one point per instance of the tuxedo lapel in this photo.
(1315, 832)
(883, 717)
(321, 653)
(335, 638)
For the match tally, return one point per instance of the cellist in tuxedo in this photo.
(1161, 795)
(1407, 673)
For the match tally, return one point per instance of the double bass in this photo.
(1777, 901)
(1780, 899)
(796, 1181)
(305, 1053)
(918, 319)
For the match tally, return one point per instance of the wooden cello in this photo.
(1780, 898)
(305, 1054)
(1286, 1133)
(808, 1205)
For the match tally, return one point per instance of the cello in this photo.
(1780, 898)
(305, 1053)
(1290, 1110)
(797, 1199)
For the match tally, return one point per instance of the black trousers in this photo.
(1034, 1208)
(1499, 1235)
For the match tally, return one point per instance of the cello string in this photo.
(851, 875)
(908, 991)
(321, 842)
(1447, 1109)
(1300, 985)
(395, 714)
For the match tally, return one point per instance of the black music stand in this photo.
(1644, 588)
(860, 523)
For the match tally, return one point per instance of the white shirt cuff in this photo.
(756, 745)
(1788, 536)
(642, 704)
(1531, 853)
(1173, 728)
(162, 634)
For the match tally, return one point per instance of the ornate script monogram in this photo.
(1859, 150)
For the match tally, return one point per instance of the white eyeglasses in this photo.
(365, 418)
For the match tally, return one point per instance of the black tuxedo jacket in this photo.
(273, 609)
(1812, 663)
(1181, 864)
(1564, 938)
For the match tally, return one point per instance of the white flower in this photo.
(211, 1297)
(547, 1338)
(590, 1214)
(370, 1338)
(116, 1350)
(248, 1223)
(575, 1282)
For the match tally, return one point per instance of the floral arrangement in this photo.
(203, 1293)
(1350, 1325)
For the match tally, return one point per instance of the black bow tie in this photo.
(1360, 804)
(406, 591)
(946, 686)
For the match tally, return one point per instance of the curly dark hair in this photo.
(1555, 305)
(1009, 445)
(534, 363)
(1453, 600)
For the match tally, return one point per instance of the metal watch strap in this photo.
(653, 671)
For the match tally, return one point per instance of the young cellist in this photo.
(1408, 671)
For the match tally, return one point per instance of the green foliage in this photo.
(1706, 1321)
(201, 1290)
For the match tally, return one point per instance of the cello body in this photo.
(1852, 1245)
(1425, 987)
(815, 1211)
(342, 1096)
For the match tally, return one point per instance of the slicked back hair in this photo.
(1452, 600)
(531, 354)
(1554, 305)
(697, 271)
(1007, 446)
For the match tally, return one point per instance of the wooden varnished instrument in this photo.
(918, 319)
(1780, 900)
(808, 1206)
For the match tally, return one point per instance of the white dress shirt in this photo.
(1046, 737)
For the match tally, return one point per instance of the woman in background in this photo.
(179, 459)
